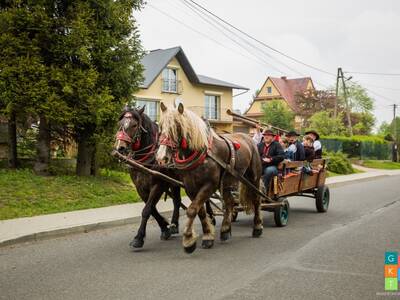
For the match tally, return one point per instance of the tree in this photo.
(358, 98)
(105, 69)
(314, 101)
(69, 63)
(363, 123)
(23, 76)
(326, 124)
(278, 114)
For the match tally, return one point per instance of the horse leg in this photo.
(210, 212)
(150, 209)
(189, 235)
(208, 229)
(258, 222)
(176, 198)
(226, 222)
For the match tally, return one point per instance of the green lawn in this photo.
(23, 194)
(381, 164)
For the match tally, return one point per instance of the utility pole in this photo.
(337, 94)
(395, 144)
(341, 76)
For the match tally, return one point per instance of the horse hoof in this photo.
(257, 232)
(225, 235)
(136, 243)
(165, 235)
(190, 249)
(207, 244)
(174, 229)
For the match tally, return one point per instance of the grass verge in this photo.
(381, 164)
(24, 194)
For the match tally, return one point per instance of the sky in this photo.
(357, 35)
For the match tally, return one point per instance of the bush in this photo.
(339, 163)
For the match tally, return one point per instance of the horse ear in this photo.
(163, 107)
(141, 111)
(180, 108)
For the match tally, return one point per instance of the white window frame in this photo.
(142, 101)
(169, 86)
(208, 114)
(269, 89)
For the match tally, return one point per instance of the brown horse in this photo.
(188, 141)
(137, 138)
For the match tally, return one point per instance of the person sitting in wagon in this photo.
(317, 144)
(271, 154)
(309, 153)
(296, 146)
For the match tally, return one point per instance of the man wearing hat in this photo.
(299, 153)
(317, 144)
(271, 154)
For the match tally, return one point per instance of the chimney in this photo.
(283, 77)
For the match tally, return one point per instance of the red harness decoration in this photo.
(153, 147)
(236, 145)
(195, 159)
(136, 145)
(123, 136)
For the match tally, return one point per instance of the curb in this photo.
(53, 233)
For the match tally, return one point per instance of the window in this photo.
(211, 107)
(169, 80)
(269, 90)
(151, 108)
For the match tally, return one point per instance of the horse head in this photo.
(181, 131)
(129, 132)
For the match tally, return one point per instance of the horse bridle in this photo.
(134, 142)
(195, 158)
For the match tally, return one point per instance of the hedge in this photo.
(362, 147)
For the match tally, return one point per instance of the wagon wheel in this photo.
(281, 213)
(322, 198)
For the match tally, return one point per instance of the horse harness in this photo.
(136, 153)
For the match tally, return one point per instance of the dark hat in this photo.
(268, 132)
(292, 133)
(314, 133)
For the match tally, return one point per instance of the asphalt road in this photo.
(338, 255)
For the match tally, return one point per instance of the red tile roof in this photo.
(288, 88)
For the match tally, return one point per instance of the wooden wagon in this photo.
(291, 181)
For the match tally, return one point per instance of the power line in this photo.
(373, 73)
(261, 42)
(244, 40)
(200, 33)
(227, 35)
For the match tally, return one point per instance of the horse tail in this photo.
(247, 197)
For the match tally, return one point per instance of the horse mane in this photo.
(149, 128)
(192, 127)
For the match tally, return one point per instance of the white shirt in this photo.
(257, 137)
(292, 147)
(317, 145)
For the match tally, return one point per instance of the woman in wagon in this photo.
(271, 154)
(317, 144)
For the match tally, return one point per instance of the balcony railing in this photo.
(218, 115)
(171, 86)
